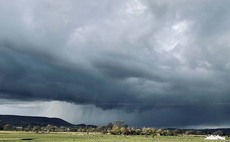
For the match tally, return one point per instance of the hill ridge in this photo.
(33, 120)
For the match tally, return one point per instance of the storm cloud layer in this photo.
(162, 59)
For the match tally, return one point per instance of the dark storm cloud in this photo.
(163, 58)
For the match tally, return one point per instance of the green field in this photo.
(83, 137)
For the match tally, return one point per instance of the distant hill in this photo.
(32, 120)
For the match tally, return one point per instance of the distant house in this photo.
(18, 128)
(213, 137)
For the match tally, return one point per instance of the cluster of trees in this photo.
(116, 128)
(48, 128)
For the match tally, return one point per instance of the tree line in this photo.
(116, 128)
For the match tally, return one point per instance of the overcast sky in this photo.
(157, 63)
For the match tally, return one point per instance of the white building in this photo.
(212, 137)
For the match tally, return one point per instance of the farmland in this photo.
(13, 136)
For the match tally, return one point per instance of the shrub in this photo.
(124, 131)
(115, 130)
(219, 132)
(8, 127)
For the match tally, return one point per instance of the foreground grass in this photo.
(93, 137)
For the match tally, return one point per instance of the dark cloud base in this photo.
(159, 59)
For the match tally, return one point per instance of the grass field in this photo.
(83, 137)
